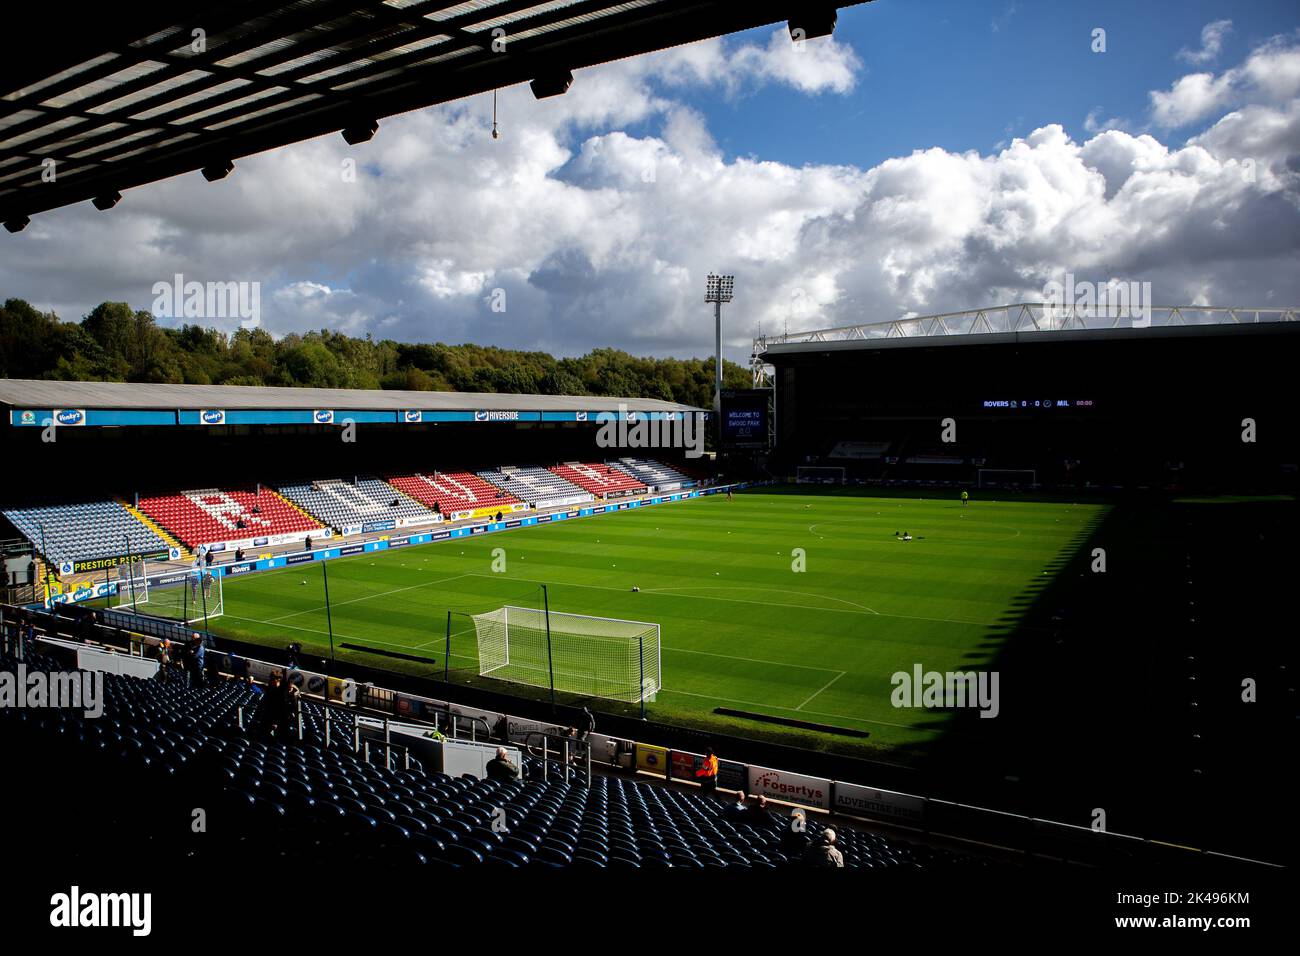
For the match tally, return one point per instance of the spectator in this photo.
(239, 554)
(502, 729)
(823, 852)
(501, 768)
(794, 839)
(308, 542)
(195, 659)
(275, 713)
(737, 812)
(283, 699)
(586, 724)
(164, 658)
(207, 558)
(760, 815)
(252, 685)
(707, 774)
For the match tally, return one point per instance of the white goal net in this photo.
(587, 656)
(191, 595)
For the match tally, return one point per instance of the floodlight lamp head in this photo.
(720, 288)
(360, 132)
(218, 170)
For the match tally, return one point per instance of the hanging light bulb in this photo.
(496, 134)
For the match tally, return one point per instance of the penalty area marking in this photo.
(822, 688)
(364, 597)
(796, 607)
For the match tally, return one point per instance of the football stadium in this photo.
(996, 595)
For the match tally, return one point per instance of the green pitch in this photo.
(792, 604)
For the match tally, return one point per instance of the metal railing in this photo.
(562, 757)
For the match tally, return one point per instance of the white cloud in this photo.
(1191, 98)
(600, 212)
(1093, 123)
(1212, 37)
(810, 66)
(1270, 74)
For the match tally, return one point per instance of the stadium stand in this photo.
(537, 486)
(83, 532)
(598, 478)
(450, 492)
(310, 801)
(200, 517)
(653, 473)
(210, 515)
(859, 450)
(342, 504)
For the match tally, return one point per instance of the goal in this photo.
(588, 656)
(1008, 478)
(820, 475)
(191, 595)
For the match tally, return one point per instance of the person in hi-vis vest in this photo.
(707, 774)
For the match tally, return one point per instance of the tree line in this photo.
(115, 343)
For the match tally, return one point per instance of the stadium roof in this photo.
(1027, 322)
(40, 403)
(129, 395)
(143, 91)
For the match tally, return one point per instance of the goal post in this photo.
(128, 584)
(584, 655)
(190, 595)
(1007, 478)
(819, 475)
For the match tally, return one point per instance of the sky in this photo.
(931, 156)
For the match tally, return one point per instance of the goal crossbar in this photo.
(576, 653)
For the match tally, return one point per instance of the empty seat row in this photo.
(341, 504)
(653, 472)
(450, 492)
(536, 485)
(82, 532)
(318, 803)
(212, 515)
(598, 478)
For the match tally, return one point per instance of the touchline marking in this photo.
(824, 686)
(441, 640)
(346, 637)
(815, 713)
(753, 660)
(364, 597)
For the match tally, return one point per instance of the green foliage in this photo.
(114, 343)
